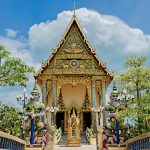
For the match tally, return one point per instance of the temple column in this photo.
(44, 91)
(50, 128)
(53, 103)
(94, 105)
(100, 118)
(101, 90)
(44, 97)
(47, 100)
(103, 103)
(54, 94)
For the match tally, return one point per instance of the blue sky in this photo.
(31, 28)
(21, 14)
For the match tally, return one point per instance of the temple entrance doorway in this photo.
(86, 120)
(60, 120)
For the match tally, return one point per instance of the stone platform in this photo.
(82, 147)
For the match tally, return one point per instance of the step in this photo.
(83, 139)
(35, 147)
(82, 147)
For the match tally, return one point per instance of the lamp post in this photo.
(128, 131)
(117, 98)
(22, 100)
(120, 97)
(124, 96)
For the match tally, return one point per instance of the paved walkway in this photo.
(82, 147)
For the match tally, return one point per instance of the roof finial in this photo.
(74, 8)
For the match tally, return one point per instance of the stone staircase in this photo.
(63, 140)
(83, 139)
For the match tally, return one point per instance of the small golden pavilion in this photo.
(74, 77)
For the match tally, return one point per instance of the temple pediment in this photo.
(73, 42)
(73, 55)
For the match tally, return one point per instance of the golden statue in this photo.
(73, 131)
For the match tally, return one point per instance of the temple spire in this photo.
(35, 88)
(74, 14)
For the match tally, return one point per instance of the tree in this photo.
(136, 78)
(10, 121)
(13, 71)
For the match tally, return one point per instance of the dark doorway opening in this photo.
(87, 122)
(60, 120)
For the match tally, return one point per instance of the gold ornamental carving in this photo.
(87, 104)
(74, 56)
(74, 43)
(60, 102)
(99, 87)
(73, 50)
(48, 86)
(74, 80)
(73, 64)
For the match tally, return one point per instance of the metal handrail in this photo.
(8, 141)
(140, 142)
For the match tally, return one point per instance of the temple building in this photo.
(74, 79)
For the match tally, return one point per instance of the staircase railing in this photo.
(8, 141)
(89, 133)
(141, 142)
(57, 135)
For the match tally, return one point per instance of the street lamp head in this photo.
(119, 98)
(17, 96)
(128, 97)
(26, 96)
(30, 97)
(25, 91)
(123, 97)
(20, 96)
(132, 96)
(124, 91)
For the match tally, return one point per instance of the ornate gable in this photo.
(73, 55)
(74, 43)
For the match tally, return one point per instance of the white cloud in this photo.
(45, 36)
(8, 94)
(20, 50)
(112, 38)
(11, 33)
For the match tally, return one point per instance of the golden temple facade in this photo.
(74, 78)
